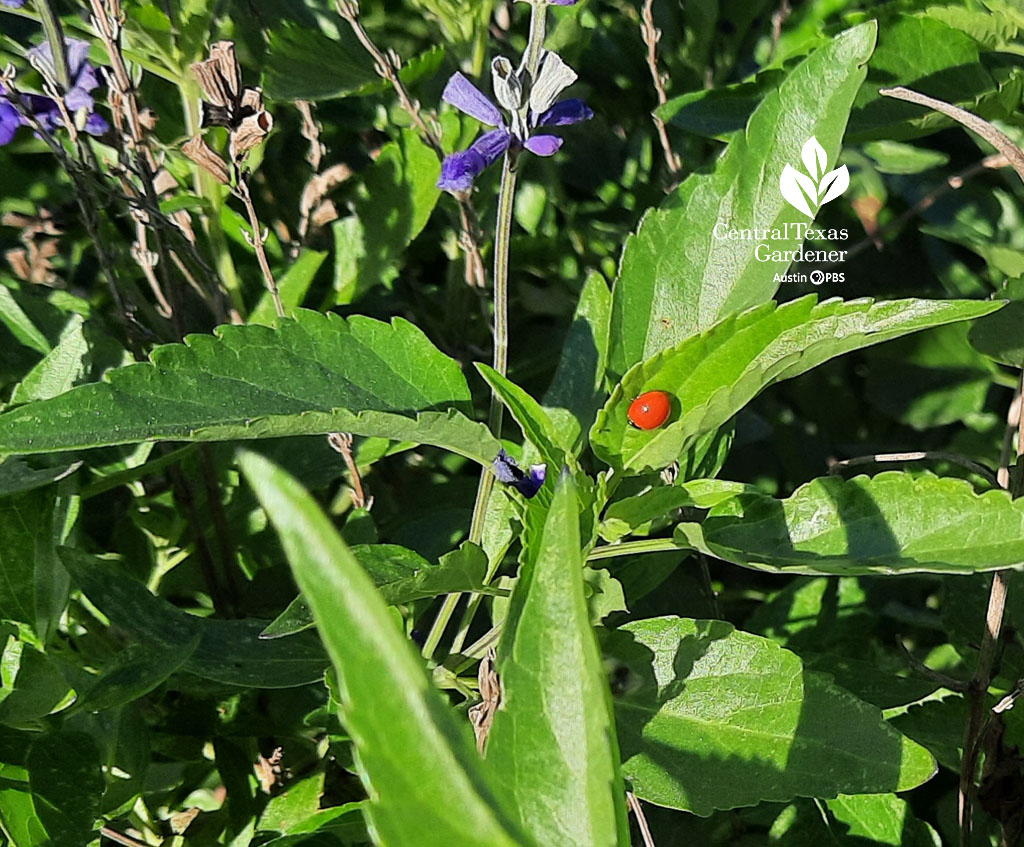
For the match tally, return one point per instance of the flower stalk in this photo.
(502, 240)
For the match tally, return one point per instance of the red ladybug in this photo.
(650, 410)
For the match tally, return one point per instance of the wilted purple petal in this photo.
(463, 95)
(566, 112)
(508, 471)
(543, 145)
(95, 124)
(460, 169)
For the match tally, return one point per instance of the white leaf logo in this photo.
(791, 183)
(814, 158)
(833, 184)
(806, 193)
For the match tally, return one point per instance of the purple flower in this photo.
(540, 110)
(83, 78)
(13, 4)
(526, 483)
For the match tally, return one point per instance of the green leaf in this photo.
(881, 819)
(18, 818)
(60, 369)
(720, 111)
(552, 745)
(931, 379)
(66, 780)
(927, 55)
(529, 414)
(228, 651)
(34, 588)
(712, 718)
(399, 193)
(998, 336)
(303, 64)
(425, 783)
(890, 523)
(134, 672)
(402, 576)
(713, 375)
(20, 324)
(313, 374)
(893, 157)
(292, 287)
(33, 686)
(676, 277)
(17, 476)
(576, 391)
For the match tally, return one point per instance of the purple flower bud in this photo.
(508, 471)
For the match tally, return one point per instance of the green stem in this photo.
(55, 35)
(502, 239)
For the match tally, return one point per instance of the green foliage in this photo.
(360, 375)
(711, 376)
(890, 523)
(711, 718)
(220, 626)
(663, 296)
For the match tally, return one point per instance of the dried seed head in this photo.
(220, 76)
(200, 153)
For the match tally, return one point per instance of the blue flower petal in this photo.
(10, 120)
(460, 169)
(543, 145)
(566, 112)
(462, 94)
(96, 124)
(12, 4)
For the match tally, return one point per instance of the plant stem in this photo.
(502, 238)
(630, 548)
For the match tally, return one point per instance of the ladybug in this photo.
(650, 410)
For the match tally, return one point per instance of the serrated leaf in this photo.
(425, 783)
(676, 277)
(303, 64)
(713, 718)
(894, 522)
(313, 374)
(402, 576)
(552, 745)
(228, 651)
(713, 375)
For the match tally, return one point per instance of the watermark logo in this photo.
(808, 192)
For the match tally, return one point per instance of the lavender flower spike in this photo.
(508, 471)
(459, 170)
(84, 79)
